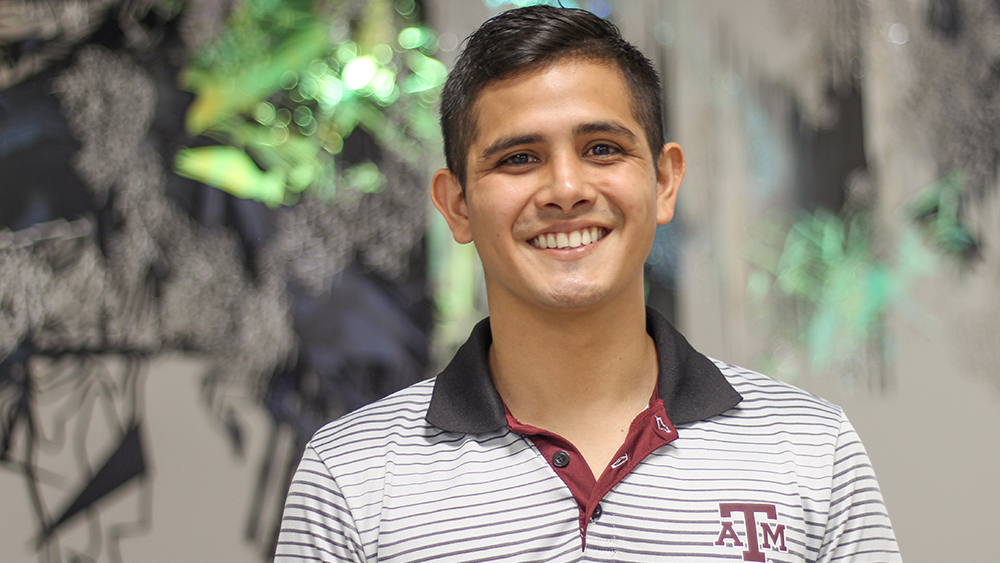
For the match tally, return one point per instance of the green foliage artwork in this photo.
(837, 289)
(829, 287)
(288, 81)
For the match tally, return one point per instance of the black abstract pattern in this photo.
(107, 256)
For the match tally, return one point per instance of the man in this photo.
(575, 424)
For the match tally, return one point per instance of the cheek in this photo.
(492, 215)
(634, 188)
(637, 205)
(487, 224)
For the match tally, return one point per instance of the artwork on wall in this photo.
(836, 266)
(847, 153)
(240, 181)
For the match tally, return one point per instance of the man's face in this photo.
(562, 196)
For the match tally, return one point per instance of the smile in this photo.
(573, 239)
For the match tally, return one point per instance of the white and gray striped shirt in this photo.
(759, 471)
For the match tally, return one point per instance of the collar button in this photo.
(560, 459)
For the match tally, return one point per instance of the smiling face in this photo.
(562, 195)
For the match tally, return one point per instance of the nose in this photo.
(567, 185)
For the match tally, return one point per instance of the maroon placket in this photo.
(649, 430)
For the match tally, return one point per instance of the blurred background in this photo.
(215, 236)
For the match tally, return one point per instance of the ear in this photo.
(670, 173)
(446, 193)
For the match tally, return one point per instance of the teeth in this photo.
(574, 239)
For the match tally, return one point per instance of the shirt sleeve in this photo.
(317, 524)
(858, 528)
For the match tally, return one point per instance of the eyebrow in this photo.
(506, 143)
(606, 127)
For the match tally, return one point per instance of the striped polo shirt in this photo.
(757, 471)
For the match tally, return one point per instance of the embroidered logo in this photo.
(757, 535)
(620, 461)
(662, 425)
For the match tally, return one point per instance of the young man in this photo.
(575, 424)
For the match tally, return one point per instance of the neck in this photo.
(555, 369)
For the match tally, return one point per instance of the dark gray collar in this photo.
(465, 399)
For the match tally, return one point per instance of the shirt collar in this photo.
(691, 386)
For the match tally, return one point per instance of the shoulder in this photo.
(765, 394)
(773, 417)
(367, 431)
(335, 498)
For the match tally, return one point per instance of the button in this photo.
(597, 512)
(560, 458)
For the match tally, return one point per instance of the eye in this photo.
(519, 159)
(603, 150)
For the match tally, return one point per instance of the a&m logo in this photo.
(759, 533)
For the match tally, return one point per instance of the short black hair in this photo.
(526, 39)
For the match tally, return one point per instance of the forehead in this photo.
(563, 92)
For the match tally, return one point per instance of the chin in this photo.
(573, 298)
